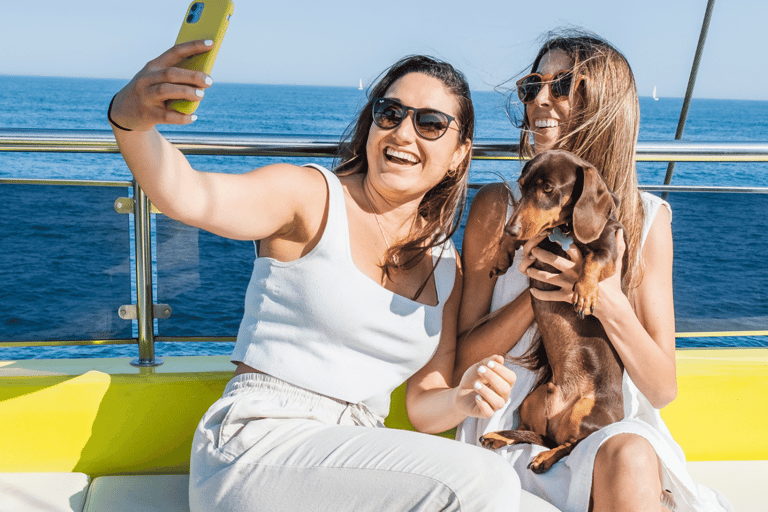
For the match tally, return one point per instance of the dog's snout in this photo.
(513, 229)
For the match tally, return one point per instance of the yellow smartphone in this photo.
(205, 19)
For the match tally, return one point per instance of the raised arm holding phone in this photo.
(355, 289)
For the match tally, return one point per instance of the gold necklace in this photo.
(395, 257)
(376, 216)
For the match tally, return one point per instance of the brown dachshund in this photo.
(579, 389)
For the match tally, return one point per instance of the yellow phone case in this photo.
(205, 19)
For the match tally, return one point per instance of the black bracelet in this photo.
(112, 121)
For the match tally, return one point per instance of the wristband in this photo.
(112, 121)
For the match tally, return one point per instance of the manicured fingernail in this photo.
(478, 386)
(200, 93)
(490, 364)
(482, 370)
(208, 80)
(208, 42)
(478, 398)
(194, 117)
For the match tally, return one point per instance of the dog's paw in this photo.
(503, 261)
(584, 298)
(504, 256)
(494, 440)
(542, 462)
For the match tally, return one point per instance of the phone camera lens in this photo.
(190, 18)
(195, 7)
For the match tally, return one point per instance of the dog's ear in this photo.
(593, 207)
(527, 168)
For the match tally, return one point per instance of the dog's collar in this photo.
(561, 237)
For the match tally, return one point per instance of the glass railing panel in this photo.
(719, 277)
(65, 267)
(203, 278)
(720, 273)
(720, 266)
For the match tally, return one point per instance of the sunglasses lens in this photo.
(528, 88)
(432, 124)
(561, 85)
(387, 113)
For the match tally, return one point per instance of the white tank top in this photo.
(321, 324)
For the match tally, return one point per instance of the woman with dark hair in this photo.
(580, 96)
(355, 289)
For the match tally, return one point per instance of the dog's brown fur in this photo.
(580, 391)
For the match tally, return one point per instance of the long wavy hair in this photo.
(603, 127)
(442, 206)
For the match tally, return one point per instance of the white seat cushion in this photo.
(50, 492)
(742, 482)
(169, 493)
(531, 503)
(139, 493)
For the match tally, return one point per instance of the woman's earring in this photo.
(452, 173)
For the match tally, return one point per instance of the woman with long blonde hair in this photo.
(580, 96)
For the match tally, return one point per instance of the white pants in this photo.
(268, 445)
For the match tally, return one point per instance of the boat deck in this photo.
(112, 418)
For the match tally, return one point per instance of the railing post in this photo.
(689, 89)
(144, 296)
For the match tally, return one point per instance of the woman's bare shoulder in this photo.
(492, 197)
(290, 175)
(488, 210)
(659, 236)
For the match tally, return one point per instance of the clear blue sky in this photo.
(339, 42)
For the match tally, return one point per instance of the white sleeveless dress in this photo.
(568, 483)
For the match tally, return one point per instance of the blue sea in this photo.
(66, 257)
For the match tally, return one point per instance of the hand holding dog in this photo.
(485, 387)
(570, 268)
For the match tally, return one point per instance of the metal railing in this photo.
(102, 141)
(202, 143)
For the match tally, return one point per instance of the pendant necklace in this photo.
(381, 228)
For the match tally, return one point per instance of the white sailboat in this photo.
(654, 94)
(360, 86)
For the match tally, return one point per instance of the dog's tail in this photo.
(535, 360)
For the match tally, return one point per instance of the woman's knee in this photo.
(627, 453)
(494, 475)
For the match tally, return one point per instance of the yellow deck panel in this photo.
(104, 416)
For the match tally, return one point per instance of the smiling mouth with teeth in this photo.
(546, 123)
(400, 157)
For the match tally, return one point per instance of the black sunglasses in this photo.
(431, 124)
(560, 85)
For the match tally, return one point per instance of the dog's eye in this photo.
(547, 188)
